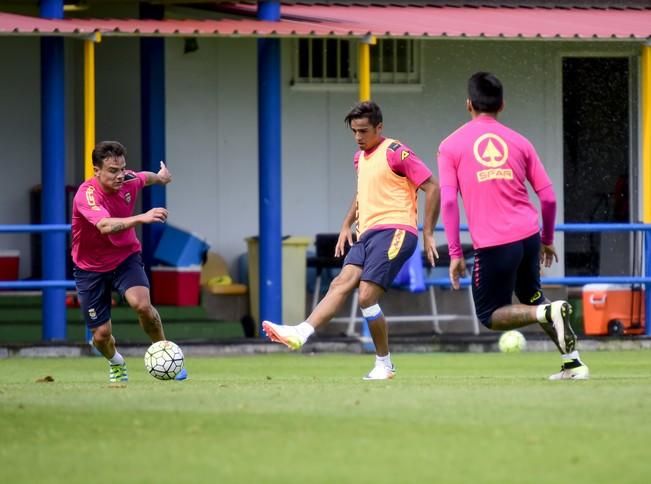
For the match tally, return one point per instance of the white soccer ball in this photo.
(512, 342)
(164, 360)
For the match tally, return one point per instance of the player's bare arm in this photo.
(163, 177)
(111, 225)
(346, 233)
(432, 211)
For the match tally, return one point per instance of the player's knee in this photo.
(342, 283)
(367, 298)
(102, 334)
(144, 308)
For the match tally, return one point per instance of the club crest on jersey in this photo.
(492, 152)
(127, 197)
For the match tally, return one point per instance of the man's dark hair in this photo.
(366, 109)
(107, 149)
(485, 92)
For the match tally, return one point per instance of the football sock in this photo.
(542, 312)
(117, 359)
(305, 330)
(571, 360)
(385, 360)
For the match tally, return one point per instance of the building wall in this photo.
(19, 136)
(318, 178)
(211, 126)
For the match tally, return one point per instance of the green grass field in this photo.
(294, 418)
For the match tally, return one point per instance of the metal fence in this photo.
(645, 278)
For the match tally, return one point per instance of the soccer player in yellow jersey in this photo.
(384, 212)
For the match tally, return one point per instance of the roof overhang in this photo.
(357, 21)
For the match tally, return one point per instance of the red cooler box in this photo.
(612, 309)
(9, 260)
(175, 286)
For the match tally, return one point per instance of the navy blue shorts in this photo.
(94, 289)
(381, 254)
(501, 270)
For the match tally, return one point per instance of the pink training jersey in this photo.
(489, 163)
(91, 250)
(403, 162)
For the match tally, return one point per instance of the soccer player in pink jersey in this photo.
(489, 165)
(106, 252)
(384, 210)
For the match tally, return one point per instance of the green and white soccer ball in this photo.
(164, 360)
(512, 342)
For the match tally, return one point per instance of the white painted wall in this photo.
(212, 146)
(211, 126)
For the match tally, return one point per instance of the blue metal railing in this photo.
(581, 280)
(53, 309)
(35, 284)
(28, 228)
(441, 281)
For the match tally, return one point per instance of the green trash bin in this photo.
(294, 278)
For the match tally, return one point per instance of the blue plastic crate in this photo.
(179, 248)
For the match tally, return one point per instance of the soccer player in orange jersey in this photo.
(384, 212)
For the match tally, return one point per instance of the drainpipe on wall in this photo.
(89, 102)
(645, 80)
(364, 67)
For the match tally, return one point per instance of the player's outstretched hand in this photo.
(457, 271)
(154, 215)
(548, 255)
(164, 175)
(345, 236)
(430, 248)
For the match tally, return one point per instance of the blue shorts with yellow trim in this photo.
(381, 254)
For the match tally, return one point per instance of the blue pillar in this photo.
(269, 169)
(152, 106)
(647, 287)
(269, 10)
(53, 199)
